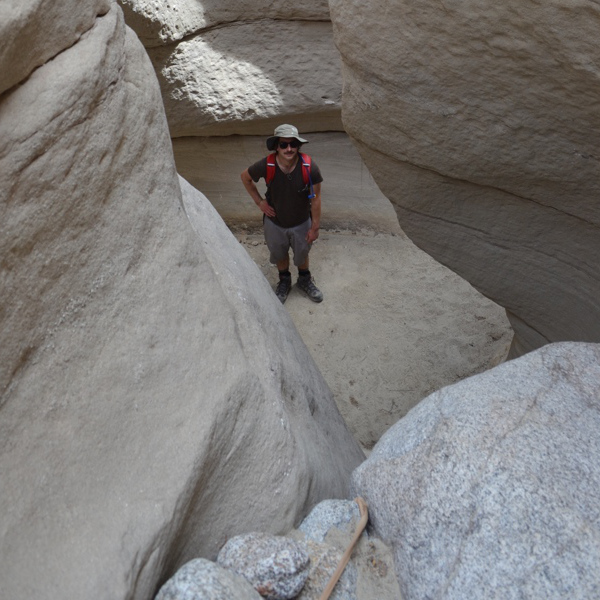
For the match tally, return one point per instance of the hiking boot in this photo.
(307, 285)
(283, 288)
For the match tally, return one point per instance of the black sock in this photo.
(285, 273)
(303, 272)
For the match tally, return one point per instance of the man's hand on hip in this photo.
(266, 208)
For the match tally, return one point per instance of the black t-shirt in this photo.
(287, 194)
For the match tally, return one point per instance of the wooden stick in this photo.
(364, 517)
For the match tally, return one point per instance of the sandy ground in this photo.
(395, 325)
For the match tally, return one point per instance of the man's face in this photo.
(291, 147)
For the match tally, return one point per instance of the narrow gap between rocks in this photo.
(395, 325)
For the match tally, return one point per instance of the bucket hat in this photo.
(284, 131)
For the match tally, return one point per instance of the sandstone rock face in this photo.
(155, 398)
(489, 488)
(160, 22)
(241, 67)
(247, 78)
(479, 122)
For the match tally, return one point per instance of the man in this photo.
(292, 208)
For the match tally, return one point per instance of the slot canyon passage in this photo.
(395, 325)
(157, 400)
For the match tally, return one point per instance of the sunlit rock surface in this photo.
(242, 67)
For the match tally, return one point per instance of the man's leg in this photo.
(285, 279)
(301, 249)
(284, 265)
(278, 244)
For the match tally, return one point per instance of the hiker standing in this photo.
(292, 207)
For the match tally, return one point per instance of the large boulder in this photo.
(155, 398)
(489, 488)
(479, 122)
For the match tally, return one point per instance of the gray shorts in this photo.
(280, 240)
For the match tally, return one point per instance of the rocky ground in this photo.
(395, 325)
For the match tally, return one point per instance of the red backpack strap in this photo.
(306, 162)
(306, 166)
(270, 168)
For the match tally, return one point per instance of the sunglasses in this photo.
(293, 144)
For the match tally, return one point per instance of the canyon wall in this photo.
(480, 122)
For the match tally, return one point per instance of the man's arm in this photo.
(315, 213)
(255, 194)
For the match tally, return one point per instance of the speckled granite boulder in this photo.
(201, 579)
(275, 566)
(344, 515)
(489, 488)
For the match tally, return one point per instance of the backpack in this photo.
(306, 163)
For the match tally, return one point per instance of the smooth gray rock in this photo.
(489, 488)
(155, 397)
(201, 579)
(479, 122)
(275, 566)
(24, 27)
